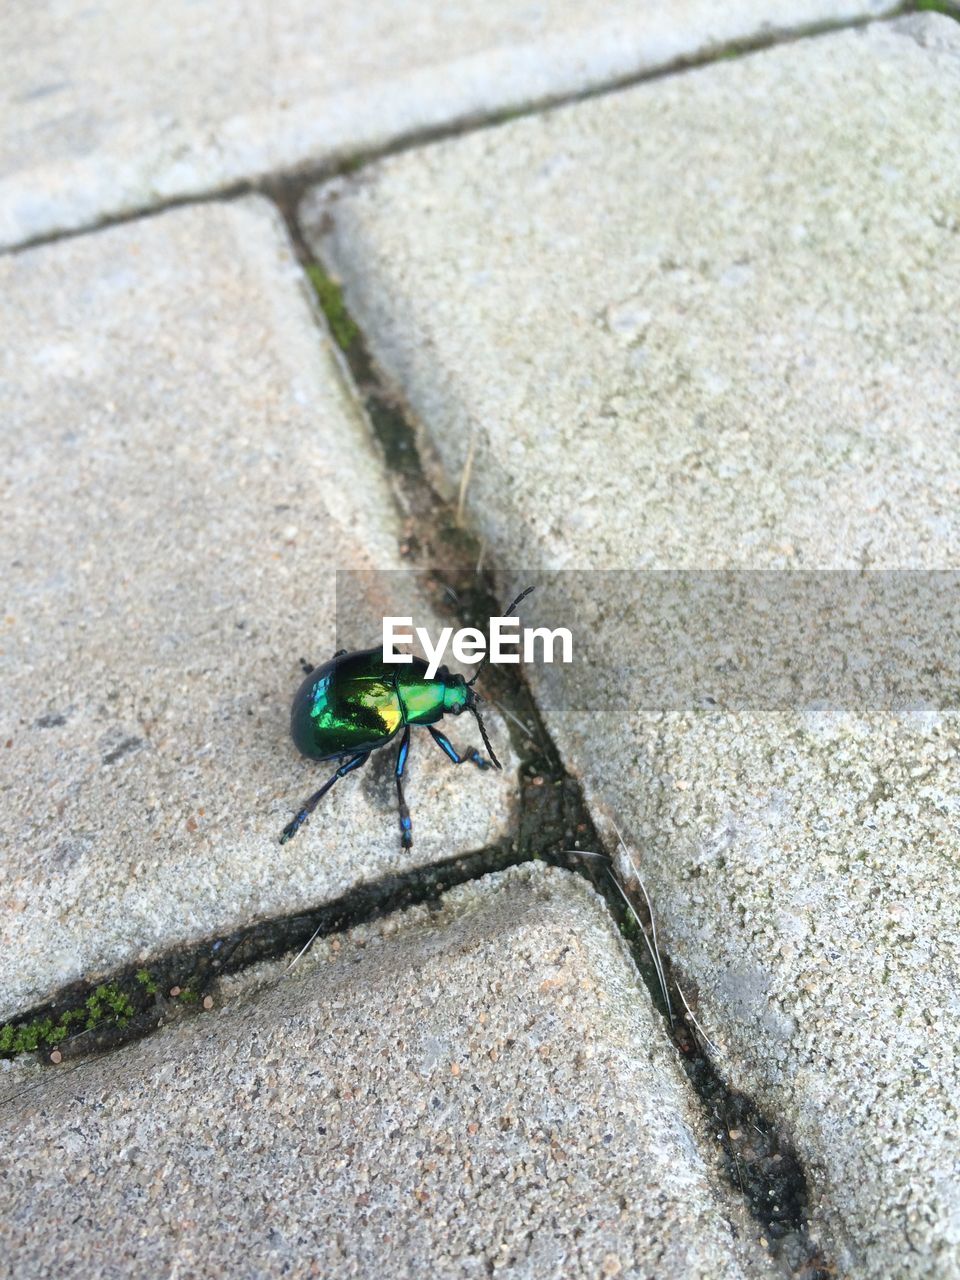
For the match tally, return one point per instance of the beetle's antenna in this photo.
(483, 735)
(486, 657)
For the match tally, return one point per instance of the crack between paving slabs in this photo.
(757, 1157)
(87, 1018)
(300, 176)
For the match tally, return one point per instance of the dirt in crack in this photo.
(552, 817)
(87, 1017)
(757, 1157)
(552, 813)
(760, 1163)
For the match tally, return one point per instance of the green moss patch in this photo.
(950, 10)
(105, 1005)
(330, 296)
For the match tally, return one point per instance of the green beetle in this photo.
(356, 703)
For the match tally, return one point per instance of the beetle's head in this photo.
(458, 693)
(457, 697)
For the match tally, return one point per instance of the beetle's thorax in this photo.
(426, 701)
(421, 700)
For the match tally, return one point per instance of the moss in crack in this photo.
(108, 1001)
(393, 434)
(106, 1005)
(387, 418)
(946, 7)
(146, 980)
(88, 1017)
(758, 1159)
(330, 296)
(85, 1019)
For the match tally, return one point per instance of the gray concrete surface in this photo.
(712, 321)
(720, 305)
(184, 471)
(112, 108)
(481, 1089)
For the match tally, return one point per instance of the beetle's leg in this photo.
(406, 830)
(292, 827)
(473, 755)
(307, 667)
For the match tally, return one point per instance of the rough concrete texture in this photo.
(713, 321)
(111, 108)
(476, 1090)
(721, 305)
(184, 470)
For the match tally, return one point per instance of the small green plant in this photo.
(146, 981)
(108, 1003)
(330, 296)
(105, 1003)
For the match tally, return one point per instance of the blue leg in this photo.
(291, 829)
(406, 827)
(473, 755)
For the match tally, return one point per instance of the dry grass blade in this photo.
(652, 947)
(303, 950)
(655, 948)
(465, 478)
(505, 711)
(693, 1021)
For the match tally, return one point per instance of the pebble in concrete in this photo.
(477, 1089)
(185, 471)
(712, 321)
(111, 110)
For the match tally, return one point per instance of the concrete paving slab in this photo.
(708, 322)
(111, 109)
(478, 1089)
(184, 472)
(684, 301)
